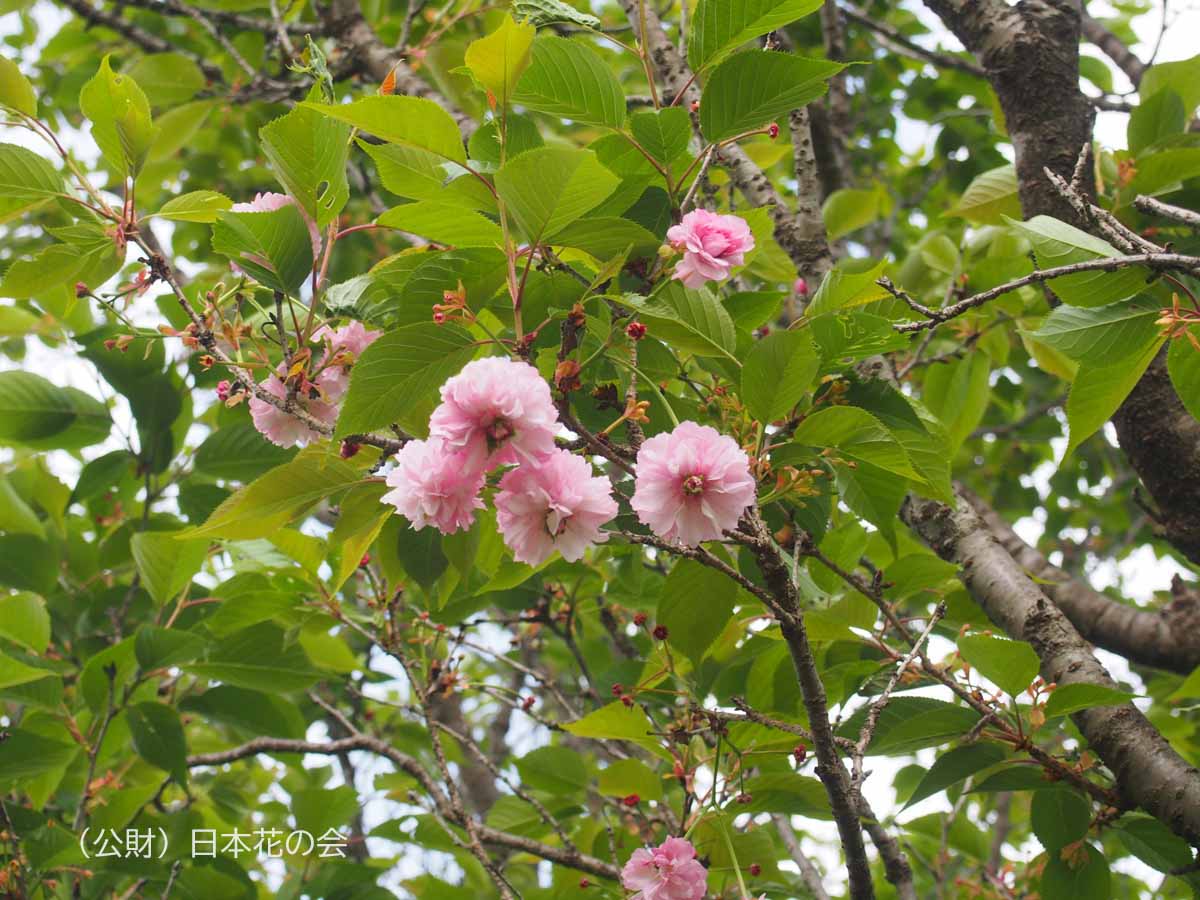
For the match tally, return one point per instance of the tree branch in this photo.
(1147, 770)
(1114, 48)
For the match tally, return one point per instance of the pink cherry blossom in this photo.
(553, 504)
(343, 347)
(283, 428)
(667, 872)
(712, 244)
(269, 202)
(692, 484)
(434, 486)
(498, 411)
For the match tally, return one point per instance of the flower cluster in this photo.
(499, 412)
(318, 396)
(712, 245)
(667, 872)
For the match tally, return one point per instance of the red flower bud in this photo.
(617, 690)
(755, 869)
(584, 883)
(223, 390)
(660, 632)
(695, 105)
(801, 753)
(800, 287)
(527, 704)
(439, 318)
(365, 561)
(81, 289)
(744, 799)
(635, 330)
(350, 449)
(627, 700)
(772, 131)
(639, 619)
(631, 800)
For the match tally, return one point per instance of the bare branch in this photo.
(895, 40)
(1153, 207)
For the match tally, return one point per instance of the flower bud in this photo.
(635, 330)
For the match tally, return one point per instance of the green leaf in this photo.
(14, 672)
(1102, 335)
(1017, 777)
(989, 198)
(444, 223)
(1183, 365)
(361, 516)
(1181, 76)
(958, 394)
(663, 133)
(623, 777)
(695, 606)
(1059, 817)
(35, 413)
(912, 723)
(778, 372)
(873, 493)
(396, 119)
(268, 503)
(23, 618)
(28, 563)
(166, 563)
(1071, 698)
(1011, 665)
(26, 181)
(721, 26)
(308, 153)
(421, 175)
(1153, 842)
(605, 237)
(275, 247)
(260, 659)
(498, 60)
(690, 321)
(553, 769)
(396, 379)
(1056, 243)
(751, 89)
(25, 755)
(196, 206)
(1079, 879)
(16, 91)
(844, 288)
(549, 12)
(158, 738)
(168, 79)
(157, 648)
(617, 722)
(252, 712)
(319, 809)
(1165, 170)
(549, 188)
(850, 209)
(120, 114)
(239, 453)
(16, 516)
(1158, 116)
(570, 80)
(955, 765)
(858, 436)
(1098, 391)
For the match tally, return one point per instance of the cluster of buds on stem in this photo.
(453, 306)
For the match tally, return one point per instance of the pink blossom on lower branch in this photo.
(498, 411)
(692, 484)
(667, 872)
(283, 428)
(434, 486)
(712, 245)
(343, 347)
(556, 503)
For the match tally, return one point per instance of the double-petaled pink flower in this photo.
(712, 245)
(497, 412)
(667, 872)
(692, 484)
(554, 504)
(283, 428)
(434, 486)
(343, 346)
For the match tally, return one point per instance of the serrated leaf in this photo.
(402, 120)
(548, 12)
(911, 723)
(605, 237)
(35, 413)
(663, 133)
(269, 502)
(570, 80)
(752, 89)
(1153, 842)
(617, 722)
(1183, 365)
(990, 197)
(25, 755)
(274, 247)
(499, 59)
(955, 765)
(1056, 243)
(721, 26)
(258, 658)
(120, 114)
(1011, 665)
(623, 777)
(691, 321)
(850, 209)
(168, 79)
(1085, 878)
(24, 619)
(547, 189)
(687, 630)
(196, 206)
(308, 153)
(778, 372)
(396, 379)
(857, 436)
(420, 175)
(1101, 335)
(16, 91)
(958, 394)
(158, 738)
(165, 563)
(239, 453)
(1059, 817)
(13, 672)
(844, 288)
(444, 223)
(1098, 391)
(1071, 698)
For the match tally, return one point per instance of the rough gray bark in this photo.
(1167, 638)
(1148, 772)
